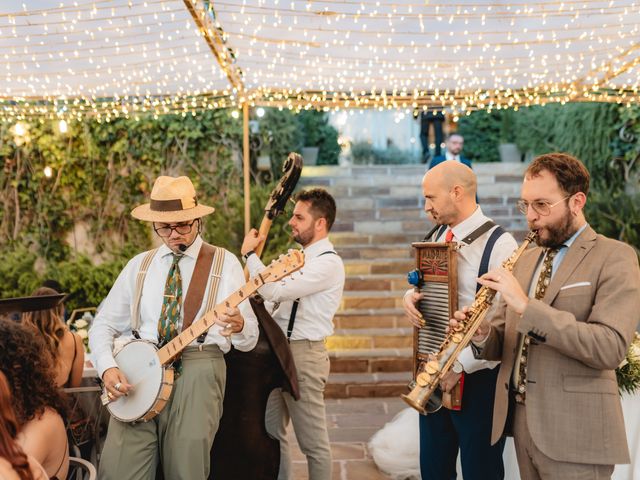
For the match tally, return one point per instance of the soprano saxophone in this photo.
(426, 388)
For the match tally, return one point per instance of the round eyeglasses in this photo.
(180, 229)
(541, 207)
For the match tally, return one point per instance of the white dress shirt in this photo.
(450, 156)
(469, 257)
(318, 285)
(114, 316)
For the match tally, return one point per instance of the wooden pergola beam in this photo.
(609, 71)
(213, 37)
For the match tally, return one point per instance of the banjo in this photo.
(149, 369)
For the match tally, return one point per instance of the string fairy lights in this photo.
(127, 58)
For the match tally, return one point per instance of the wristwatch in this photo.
(246, 256)
(457, 367)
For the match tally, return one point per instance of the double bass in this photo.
(242, 449)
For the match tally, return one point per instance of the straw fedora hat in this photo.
(173, 200)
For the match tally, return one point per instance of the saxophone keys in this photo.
(457, 337)
(432, 367)
(423, 379)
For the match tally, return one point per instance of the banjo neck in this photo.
(283, 266)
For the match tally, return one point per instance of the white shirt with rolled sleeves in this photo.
(469, 257)
(319, 285)
(114, 317)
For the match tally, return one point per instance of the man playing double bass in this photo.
(304, 306)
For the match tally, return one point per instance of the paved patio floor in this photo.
(351, 424)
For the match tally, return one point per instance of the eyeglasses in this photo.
(180, 229)
(541, 207)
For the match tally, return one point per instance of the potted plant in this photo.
(320, 139)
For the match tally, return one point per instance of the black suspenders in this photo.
(294, 308)
(473, 236)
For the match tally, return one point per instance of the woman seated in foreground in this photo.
(39, 405)
(64, 346)
(14, 463)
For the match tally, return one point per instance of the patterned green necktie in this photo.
(171, 307)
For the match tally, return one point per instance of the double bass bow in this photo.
(242, 449)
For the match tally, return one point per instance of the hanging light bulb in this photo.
(19, 129)
(48, 171)
(62, 126)
(260, 112)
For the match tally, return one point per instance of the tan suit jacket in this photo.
(582, 328)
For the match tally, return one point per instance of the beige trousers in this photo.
(307, 415)
(180, 438)
(535, 465)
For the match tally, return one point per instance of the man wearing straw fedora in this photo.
(157, 294)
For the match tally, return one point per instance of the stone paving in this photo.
(351, 424)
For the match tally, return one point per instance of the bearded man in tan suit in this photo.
(563, 323)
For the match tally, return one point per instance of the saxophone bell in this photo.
(424, 400)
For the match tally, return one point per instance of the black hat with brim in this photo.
(30, 304)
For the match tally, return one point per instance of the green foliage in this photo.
(615, 214)
(225, 227)
(18, 273)
(280, 135)
(100, 172)
(626, 150)
(584, 130)
(481, 131)
(363, 153)
(628, 375)
(317, 132)
(86, 282)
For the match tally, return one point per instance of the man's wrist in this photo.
(479, 343)
(522, 306)
(246, 256)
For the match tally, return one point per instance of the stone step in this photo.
(364, 318)
(358, 177)
(371, 299)
(344, 239)
(379, 265)
(371, 252)
(368, 338)
(417, 227)
(372, 360)
(387, 282)
(366, 385)
(480, 168)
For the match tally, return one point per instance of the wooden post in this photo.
(245, 163)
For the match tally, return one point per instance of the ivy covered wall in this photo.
(66, 195)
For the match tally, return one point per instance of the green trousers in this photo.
(180, 438)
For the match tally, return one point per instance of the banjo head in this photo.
(139, 362)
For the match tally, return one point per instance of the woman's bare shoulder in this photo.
(6, 471)
(49, 422)
(37, 470)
